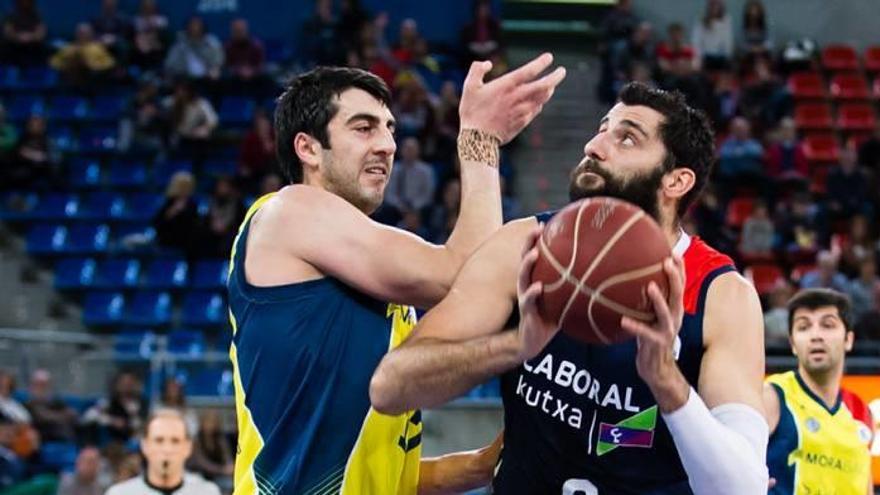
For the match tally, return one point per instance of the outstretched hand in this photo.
(505, 106)
(535, 330)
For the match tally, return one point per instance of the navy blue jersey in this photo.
(579, 420)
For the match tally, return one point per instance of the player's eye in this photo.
(628, 140)
(364, 129)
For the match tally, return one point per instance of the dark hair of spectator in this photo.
(686, 133)
(754, 16)
(820, 298)
(307, 106)
(714, 11)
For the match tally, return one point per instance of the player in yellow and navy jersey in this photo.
(819, 441)
(318, 292)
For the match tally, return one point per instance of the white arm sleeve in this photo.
(723, 451)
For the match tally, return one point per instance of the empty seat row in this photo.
(856, 117)
(132, 343)
(127, 273)
(99, 206)
(841, 57)
(91, 174)
(153, 309)
(845, 86)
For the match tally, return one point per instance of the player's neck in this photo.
(825, 385)
(672, 232)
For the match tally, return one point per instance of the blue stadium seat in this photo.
(8, 77)
(186, 342)
(117, 274)
(17, 205)
(85, 173)
(63, 138)
(127, 175)
(236, 111)
(88, 239)
(108, 108)
(149, 309)
(97, 140)
(103, 308)
(163, 171)
(204, 309)
(134, 344)
(210, 274)
(277, 51)
(102, 206)
(219, 168)
(69, 108)
(78, 402)
(36, 79)
(141, 207)
(47, 239)
(55, 206)
(58, 456)
(23, 106)
(74, 273)
(167, 274)
(210, 382)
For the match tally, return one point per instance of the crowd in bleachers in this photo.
(796, 187)
(129, 152)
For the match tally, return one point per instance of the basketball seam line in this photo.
(577, 227)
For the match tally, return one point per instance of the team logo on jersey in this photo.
(634, 431)
(412, 436)
(864, 433)
(812, 425)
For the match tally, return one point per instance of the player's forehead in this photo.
(354, 102)
(829, 312)
(640, 116)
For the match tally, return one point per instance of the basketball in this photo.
(596, 258)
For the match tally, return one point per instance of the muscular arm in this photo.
(772, 407)
(460, 471)
(457, 345)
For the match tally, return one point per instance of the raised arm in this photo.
(460, 343)
(460, 471)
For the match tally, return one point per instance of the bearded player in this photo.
(655, 415)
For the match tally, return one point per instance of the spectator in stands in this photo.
(256, 155)
(764, 100)
(113, 29)
(693, 84)
(225, 213)
(87, 478)
(143, 128)
(776, 316)
(12, 468)
(725, 100)
(245, 55)
(639, 50)
(618, 26)
(192, 118)
(352, 19)
(709, 217)
(869, 151)
(758, 233)
(411, 186)
(864, 290)
(178, 218)
(10, 408)
(847, 186)
(130, 466)
(34, 159)
(150, 36)
(24, 34)
(85, 60)
(8, 138)
(741, 155)
(800, 226)
(406, 41)
(121, 414)
(321, 39)
(212, 457)
(166, 446)
(415, 115)
(785, 158)
(674, 48)
(443, 215)
(173, 397)
(53, 419)
(826, 274)
(755, 35)
(713, 37)
(197, 54)
(270, 183)
(859, 245)
(482, 36)
(447, 122)
(641, 72)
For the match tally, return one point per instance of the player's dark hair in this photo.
(686, 133)
(819, 298)
(307, 106)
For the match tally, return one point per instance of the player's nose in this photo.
(597, 148)
(385, 144)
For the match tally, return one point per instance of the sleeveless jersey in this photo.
(816, 449)
(580, 421)
(302, 356)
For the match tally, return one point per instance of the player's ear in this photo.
(848, 341)
(678, 181)
(308, 150)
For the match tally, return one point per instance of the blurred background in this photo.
(135, 133)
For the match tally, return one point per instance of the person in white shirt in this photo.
(166, 445)
(713, 37)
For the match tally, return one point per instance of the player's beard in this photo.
(640, 190)
(345, 182)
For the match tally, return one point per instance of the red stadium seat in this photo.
(738, 210)
(798, 272)
(877, 88)
(806, 85)
(840, 58)
(856, 117)
(850, 87)
(872, 59)
(765, 277)
(819, 177)
(813, 116)
(821, 148)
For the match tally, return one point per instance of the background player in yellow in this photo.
(319, 292)
(816, 443)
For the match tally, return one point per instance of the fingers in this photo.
(529, 300)
(661, 308)
(639, 330)
(524, 280)
(532, 239)
(542, 89)
(530, 70)
(476, 74)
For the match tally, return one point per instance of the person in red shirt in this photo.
(674, 48)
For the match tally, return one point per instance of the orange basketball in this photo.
(596, 259)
